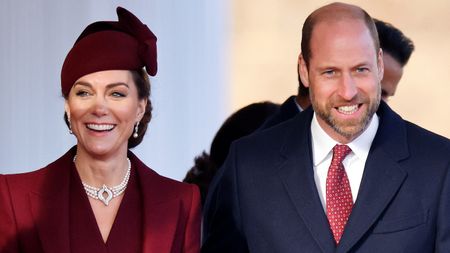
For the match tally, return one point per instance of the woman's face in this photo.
(103, 108)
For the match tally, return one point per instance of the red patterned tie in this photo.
(339, 195)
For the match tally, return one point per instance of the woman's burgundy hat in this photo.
(126, 44)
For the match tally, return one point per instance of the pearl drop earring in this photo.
(70, 126)
(136, 128)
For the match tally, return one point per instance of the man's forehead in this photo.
(349, 39)
(343, 28)
(337, 11)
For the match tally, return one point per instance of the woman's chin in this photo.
(99, 149)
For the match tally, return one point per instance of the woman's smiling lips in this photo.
(100, 127)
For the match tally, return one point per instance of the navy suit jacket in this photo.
(264, 199)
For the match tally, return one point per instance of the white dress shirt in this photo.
(322, 149)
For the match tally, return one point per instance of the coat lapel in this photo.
(160, 226)
(381, 180)
(50, 206)
(298, 178)
(159, 211)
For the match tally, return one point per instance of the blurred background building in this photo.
(214, 58)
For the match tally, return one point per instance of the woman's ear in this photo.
(67, 109)
(141, 109)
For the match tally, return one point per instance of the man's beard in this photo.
(350, 128)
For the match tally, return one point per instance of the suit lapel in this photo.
(159, 211)
(381, 180)
(298, 178)
(380, 184)
(50, 206)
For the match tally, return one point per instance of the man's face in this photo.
(393, 72)
(344, 77)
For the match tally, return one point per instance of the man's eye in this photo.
(362, 70)
(329, 72)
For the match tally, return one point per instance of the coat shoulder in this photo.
(167, 188)
(165, 182)
(28, 180)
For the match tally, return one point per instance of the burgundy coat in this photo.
(34, 210)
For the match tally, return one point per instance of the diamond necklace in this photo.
(110, 192)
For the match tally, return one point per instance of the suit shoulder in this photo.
(276, 135)
(426, 138)
(393, 126)
(428, 147)
(266, 138)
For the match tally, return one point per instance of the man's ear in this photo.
(303, 71)
(380, 64)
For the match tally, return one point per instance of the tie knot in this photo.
(340, 152)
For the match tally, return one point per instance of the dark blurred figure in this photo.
(241, 123)
(397, 49)
(291, 107)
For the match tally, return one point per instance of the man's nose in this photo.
(347, 87)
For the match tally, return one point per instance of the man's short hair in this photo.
(394, 42)
(320, 15)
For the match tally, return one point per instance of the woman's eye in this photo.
(118, 94)
(82, 93)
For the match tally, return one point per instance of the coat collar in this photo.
(159, 209)
(388, 147)
(50, 207)
(50, 204)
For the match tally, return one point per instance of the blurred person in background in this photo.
(397, 49)
(241, 123)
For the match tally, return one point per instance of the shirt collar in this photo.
(322, 143)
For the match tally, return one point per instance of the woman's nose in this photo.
(100, 106)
